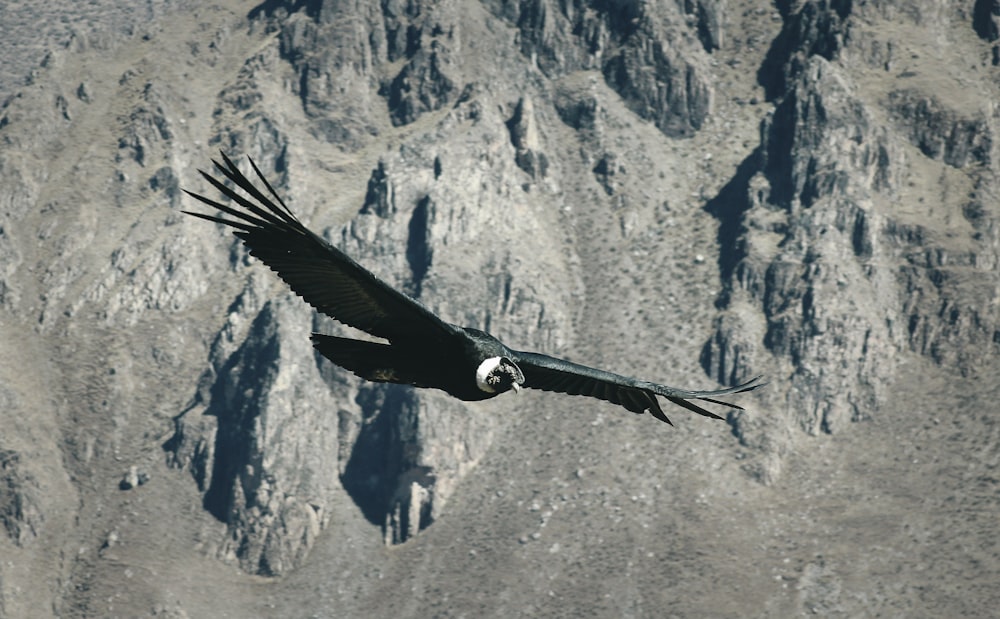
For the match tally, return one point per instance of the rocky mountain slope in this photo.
(691, 192)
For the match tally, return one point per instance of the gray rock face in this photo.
(399, 453)
(940, 133)
(810, 29)
(19, 506)
(825, 256)
(807, 191)
(411, 447)
(804, 248)
(644, 51)
(986, 19)
(524, 137)
(266, 393)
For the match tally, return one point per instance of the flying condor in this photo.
(421, 349)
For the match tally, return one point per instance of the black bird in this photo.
(422, 349)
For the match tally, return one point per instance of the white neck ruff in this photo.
(483, 372)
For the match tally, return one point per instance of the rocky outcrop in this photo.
(524, 136)
(249, 436)
(816, 245)
(986, 20)
(538, 169)
(333, 57)
(645, 51)
(20, 514)
(261, 461)
(422, 86)
(147, 128)
(710, 21)
(941, 133)
(812, 28)
(10, 258)
(806, 255)
(345, 53)
(410, 447)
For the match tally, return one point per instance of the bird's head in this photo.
(499, 374)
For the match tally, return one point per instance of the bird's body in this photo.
(445, 365)
(421, 349)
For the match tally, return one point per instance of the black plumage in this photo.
(421, 349)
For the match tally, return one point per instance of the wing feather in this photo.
(553, 374)
(324, 276)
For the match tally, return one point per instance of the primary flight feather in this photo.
(421, 349)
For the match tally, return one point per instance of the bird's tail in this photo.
(682, 397)
(370, 360)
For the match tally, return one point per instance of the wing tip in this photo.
(657, 412)
(691, 406)
(756, 382)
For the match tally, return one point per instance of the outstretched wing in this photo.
(552, 374)
(318, 272)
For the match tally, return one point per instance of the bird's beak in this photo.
(516, 387)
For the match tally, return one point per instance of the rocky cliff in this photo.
(691, 192)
